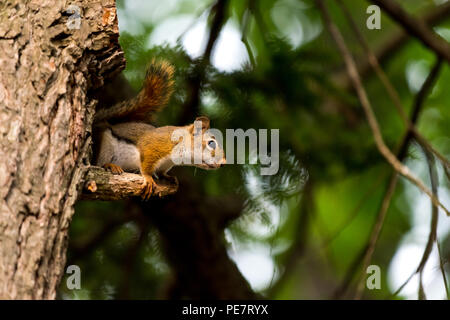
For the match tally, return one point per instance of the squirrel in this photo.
(126, 141)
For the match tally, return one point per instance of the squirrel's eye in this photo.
(212, 144)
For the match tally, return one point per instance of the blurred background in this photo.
(302, 233)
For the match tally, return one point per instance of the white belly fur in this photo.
(126, 155)
(118, 152)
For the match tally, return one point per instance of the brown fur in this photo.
(153, 146)
(130, 123)
(155, 94)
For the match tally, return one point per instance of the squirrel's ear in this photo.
(201, 124)
(205, 122)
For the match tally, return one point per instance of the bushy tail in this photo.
(156, 92)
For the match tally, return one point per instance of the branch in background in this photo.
(433, 229)
(362, 95)
(219, 11)
(190, 107)
(353, 74)
(367, 258)
(401, 155)
(416, 28)
(354, 213)
(434, 216)
(103, 185)
(429, 82)
(373, 61)
(384, 52)
(330, 238)
(441, 266)
(393, 44)
(253, 7)
(395, 97)
(245, 26)
(428, 150)
(340, 291)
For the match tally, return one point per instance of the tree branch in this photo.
(376, 232)
(433, 228)
(218, 15)
(401, 154)
(416, 28)
(103, 185)
(441, 266)
(393, 44)
(365, 103)
(395, 97)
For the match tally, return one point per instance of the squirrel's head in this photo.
(199, 146)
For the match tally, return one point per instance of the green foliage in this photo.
(325, 144)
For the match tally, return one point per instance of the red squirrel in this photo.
(132, 144)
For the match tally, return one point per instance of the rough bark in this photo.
(46, 112)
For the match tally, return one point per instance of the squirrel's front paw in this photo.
(148, 188)
(114, 168)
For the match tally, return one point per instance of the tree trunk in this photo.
(48, 69)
